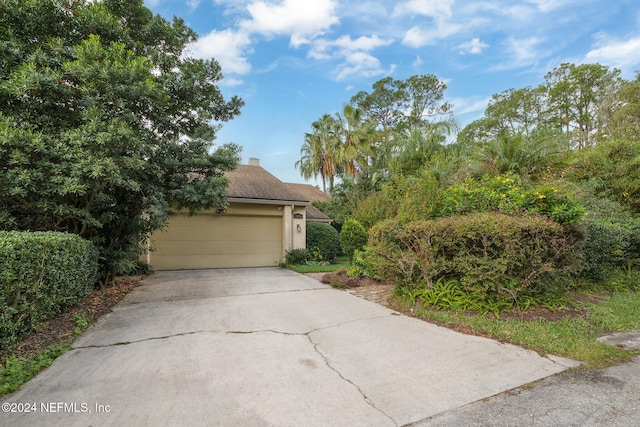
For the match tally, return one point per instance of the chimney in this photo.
(254, 161)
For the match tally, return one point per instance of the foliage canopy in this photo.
(105, 123)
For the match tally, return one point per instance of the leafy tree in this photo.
(426, 93)
(575, 97)
(105, 123)
(517, 111)
(385, 104)
(398, 105)
(625, 117)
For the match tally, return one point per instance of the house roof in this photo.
(310, 192)
(252, 182)
(315, 214)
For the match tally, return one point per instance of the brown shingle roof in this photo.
(309, 192)
(312, 194)
(315, 214)
(253, 182)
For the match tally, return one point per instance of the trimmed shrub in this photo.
(496, 256)
(323, 239)
(41, 273)
(353, 237)
(297, 257)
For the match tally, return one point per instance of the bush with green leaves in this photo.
(361, 265)
(323, 239)
(508, 193)
(376, 207)
(41, 273)
(497, 257)
(353, 237)
(298, 257)
(611, 244)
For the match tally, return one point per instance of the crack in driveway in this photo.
(307, 334)
(334, 369)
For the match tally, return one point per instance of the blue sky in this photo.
(294, 60)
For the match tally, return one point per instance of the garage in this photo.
(211, 240)
(264, 219)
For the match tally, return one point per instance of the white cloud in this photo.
(440, 13)
(438, 9)
(363, 65)
(623, 54)
(469, 105)
(272, 66)
(550, 5)
(474, 46)
(521, 53)
(231, 82)
(228, 47)
(354, 53)
(419, 36)
(302, 20)
(417, 63)
(345, 45)
(193, 4)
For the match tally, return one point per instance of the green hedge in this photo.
(495, 256)
(40, 273)
(323, 241)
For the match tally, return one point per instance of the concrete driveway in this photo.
(261, 347)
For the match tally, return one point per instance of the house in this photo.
(264, 219)
(312, 194)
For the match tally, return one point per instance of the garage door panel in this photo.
(218, 241)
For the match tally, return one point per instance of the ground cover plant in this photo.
(54, 335)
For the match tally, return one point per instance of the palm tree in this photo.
(530, 156)
(357, 137)
(319, 151)
(411, 150)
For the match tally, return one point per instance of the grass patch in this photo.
(312, 267)
(17, 371)
(573, 337)
(38, 350)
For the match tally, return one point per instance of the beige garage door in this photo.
(209, 240)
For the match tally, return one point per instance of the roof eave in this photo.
(268, 201)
